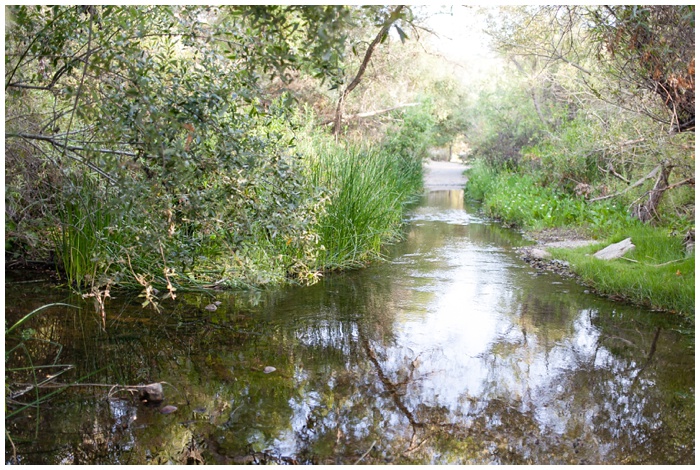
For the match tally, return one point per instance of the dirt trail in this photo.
(444, 175)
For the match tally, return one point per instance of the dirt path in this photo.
(444, 175)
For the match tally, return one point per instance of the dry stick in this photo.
(14, 449)
(667, 262)
(365, 454)
(371, 113)
(654, 265)
(651, 174)
(112, 386)
(690, 180)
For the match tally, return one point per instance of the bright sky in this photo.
(460, 37)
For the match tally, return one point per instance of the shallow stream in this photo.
(453, 351)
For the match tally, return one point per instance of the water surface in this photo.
(453, 351)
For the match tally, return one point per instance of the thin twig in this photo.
(667, 262)
(366, 453)
(14, 449)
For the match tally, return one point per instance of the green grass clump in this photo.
(657, 272)
(368, 190)
(84, 220)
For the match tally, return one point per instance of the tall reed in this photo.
(368, 190)
(85, 219)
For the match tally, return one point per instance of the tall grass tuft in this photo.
(85, 220)
(368, 190)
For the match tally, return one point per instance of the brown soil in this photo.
(560, 238)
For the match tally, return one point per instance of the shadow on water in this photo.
(453, 351)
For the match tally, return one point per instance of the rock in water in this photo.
(616, 250)
(152, 393)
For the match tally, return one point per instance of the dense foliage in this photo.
(581, 113)
(159, 146)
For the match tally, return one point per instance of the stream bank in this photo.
(453, 351)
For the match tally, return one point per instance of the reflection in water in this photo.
(454, 351)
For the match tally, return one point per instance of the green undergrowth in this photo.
(519, 200)
(657, 273)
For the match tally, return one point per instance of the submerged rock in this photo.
(166, 410)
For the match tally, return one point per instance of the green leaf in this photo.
(34, 312)
(403, 36)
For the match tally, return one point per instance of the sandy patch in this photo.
(444, 175)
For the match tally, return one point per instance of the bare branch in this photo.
(651, 174)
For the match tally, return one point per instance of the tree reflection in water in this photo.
(453, 352)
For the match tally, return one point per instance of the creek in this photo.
(452, 351)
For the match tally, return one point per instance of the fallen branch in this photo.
(372, 113)
(614, 173)
(366, 453)
(153, 392)
(666, 263)
(381, 111)
(651, 174)
(690, 181)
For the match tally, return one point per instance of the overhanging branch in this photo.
(372, 113)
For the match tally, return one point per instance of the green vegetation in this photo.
(368, 190)
(141, 154)
(656, 273)
(579, 136)
(165, 148)
(519, 199)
